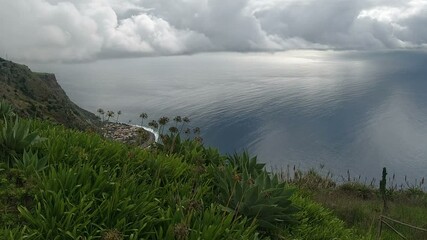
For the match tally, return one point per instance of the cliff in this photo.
(38, 95)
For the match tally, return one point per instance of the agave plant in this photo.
(16, 137)
(5, 110)
(211, 223)
(255, 195)
(30, 162)
(245, 162)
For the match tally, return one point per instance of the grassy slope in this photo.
(100, 189)
(360, 206)
(363, 213)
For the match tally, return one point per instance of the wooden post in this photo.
(380, 227)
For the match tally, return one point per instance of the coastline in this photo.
(128, 133)
(150, 130)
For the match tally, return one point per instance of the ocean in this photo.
(334, 111)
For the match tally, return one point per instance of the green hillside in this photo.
(58, 183)
(38, 95)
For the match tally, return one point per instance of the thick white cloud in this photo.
(39, 30)
(79, 30)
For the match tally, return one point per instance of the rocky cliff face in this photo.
(39, 95)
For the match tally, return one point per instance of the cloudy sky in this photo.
(85, 30)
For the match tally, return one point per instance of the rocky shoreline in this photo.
(128, 134)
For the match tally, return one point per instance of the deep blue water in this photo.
(345, 110)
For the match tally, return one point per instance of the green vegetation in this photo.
(76, 185)
(5, 109)
(15, 137)
(58, 183)
(360, 206)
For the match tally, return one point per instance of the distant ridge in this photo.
(40, 96)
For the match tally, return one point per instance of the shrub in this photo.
(254, 195)
(85, 201)
(244, 162)
(212, 223)
(15, 189)
(31, 163)
(5, 110)
(317, 223)
(359, 189)
(312, 180)
(15, 138)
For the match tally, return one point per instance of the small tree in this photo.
(118, 115)
(177, 119)
(110, 114)
(153, 124)
(162, 122)
(143, 116)
(101, 113)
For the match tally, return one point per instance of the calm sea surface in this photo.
(343, 110)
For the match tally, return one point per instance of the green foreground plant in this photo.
(15, 137)
(77, 185)
(245, 188)
(6, 110)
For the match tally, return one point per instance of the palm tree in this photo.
(196, 130)
(143, 116)
(182, 120)
(177, 119)
(118, 115)
(162, 122)
(110, 114)
(186, 119)
(187, 132)
(101, 113)
(153, 124)
(173, 130)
